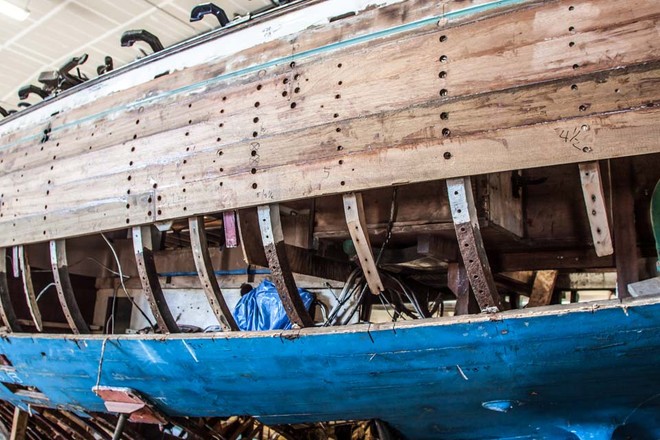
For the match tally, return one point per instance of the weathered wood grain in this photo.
(543, 288)
(206, 275)
(594, 201)
(357, 228)
(65, 294)
(280, 270)
(471, 245)
(192, 151)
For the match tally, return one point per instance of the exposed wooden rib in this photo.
(143, 248)
(594, 201)
(28, 288)
(486, 85)
(230, 228)
(273, 240)
(6, 307)
(206, 274)
(543, 288)
(357, 227)
(623, 219)
(470, 243)
(19, 425)
(64, 288)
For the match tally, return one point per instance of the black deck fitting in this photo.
(128, 38)
(106, 67)
(199, 11)
(24, 92)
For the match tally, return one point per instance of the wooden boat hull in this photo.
(587, 368)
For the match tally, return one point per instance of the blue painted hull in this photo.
(548, 372)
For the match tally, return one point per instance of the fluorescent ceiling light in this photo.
(13, 11)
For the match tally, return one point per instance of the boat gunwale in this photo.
(536, 312)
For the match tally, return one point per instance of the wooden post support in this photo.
(623, 219)
(470, 243)
(357, 228)
(230, 228)
(19, 424)
(143, 248)
(28, 288)
(278, 262)
(206, 274)
(7, 312)
(64, 288)
(594, 201)
(458, 283)
(543, 287)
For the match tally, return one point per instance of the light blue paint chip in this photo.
(498, 405)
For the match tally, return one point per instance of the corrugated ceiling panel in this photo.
(56, 30)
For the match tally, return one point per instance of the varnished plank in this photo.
(65, 294)
(470, 243)
(143, 248)
(273, 241)
(207, 276)
(7, 312)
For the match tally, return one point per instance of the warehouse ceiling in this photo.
(57, 30)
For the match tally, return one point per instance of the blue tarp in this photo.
(262, 309)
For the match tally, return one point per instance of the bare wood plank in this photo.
(357, 227)
(594, 201)
(119, 207)
(206, 274)
(230, 229)
(543, 288)
(471, 244)
(623, 221)
(143, 248)
(60, 267)
(273, 240)
(368, 21)
(7, 312)
(428, 161)
(28, 288)
(19, 424)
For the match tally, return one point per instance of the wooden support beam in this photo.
(143, 248)
(357, 227)
(301, 261)
(594, 201)
(28, 288)
(458, 283)
(543, 288)
(7, 312)
(60, 267)
(19, 424)
(273, 241)
(206, 274)
(230, 228)
(623, 219)
(470, 243)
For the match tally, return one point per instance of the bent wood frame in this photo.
(192, 154)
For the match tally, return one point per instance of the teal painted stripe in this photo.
(289, 58)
